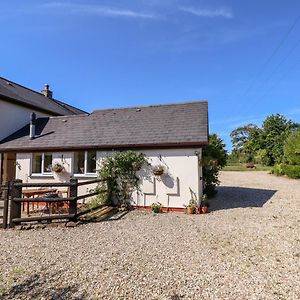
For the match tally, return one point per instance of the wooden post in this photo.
(15, 207)
(6, 203)
(73, 193)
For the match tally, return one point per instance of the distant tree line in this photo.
(276, 143)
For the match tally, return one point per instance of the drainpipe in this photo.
(32, 125)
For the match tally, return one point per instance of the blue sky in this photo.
(243, 57)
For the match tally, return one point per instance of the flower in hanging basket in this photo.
(58, 168)
(158, 170)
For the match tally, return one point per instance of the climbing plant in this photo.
(120, 172)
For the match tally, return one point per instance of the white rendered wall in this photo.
(13, 117)
(172, 189)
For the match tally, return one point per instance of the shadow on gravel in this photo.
(36, 287)
(239, 197)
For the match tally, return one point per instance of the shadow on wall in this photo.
(239, 197)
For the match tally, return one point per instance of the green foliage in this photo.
(120, 171)
(292, 171)
(262, 145)
(214, 158)
(241, 135)
(261, 157)
(95, 202)
(277, 170)
(276, 129)
(292, 149)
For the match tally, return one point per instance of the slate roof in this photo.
(172, 125)
(14, 92)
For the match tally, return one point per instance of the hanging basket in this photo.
(158, 170)
(58, 168)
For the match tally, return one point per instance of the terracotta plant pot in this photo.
(190, 210)
(203, 209)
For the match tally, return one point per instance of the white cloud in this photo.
(209, 13)
(96, 10)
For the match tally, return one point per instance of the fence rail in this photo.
(14, 195)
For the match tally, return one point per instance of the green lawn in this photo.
(242, 167)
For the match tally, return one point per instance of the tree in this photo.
(214, 158)
(292, 148)
(275, 131)
(246, 141)
(262, 145)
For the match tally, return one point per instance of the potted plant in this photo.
(204, 204)
(156, 207)
(58, 168)
(191, 207)
(158, 170)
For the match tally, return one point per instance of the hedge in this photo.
(292, 171)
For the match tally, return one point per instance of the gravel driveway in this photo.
(248, 247)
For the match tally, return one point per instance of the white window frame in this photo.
(42, 164)
(85, 173)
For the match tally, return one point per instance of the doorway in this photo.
(8, 167)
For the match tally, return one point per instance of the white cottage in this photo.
(16, 104)
(170, 135)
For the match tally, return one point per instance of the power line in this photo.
(282, 41)
(274, 52)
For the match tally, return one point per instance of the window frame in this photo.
(42, 164)
(85, 173)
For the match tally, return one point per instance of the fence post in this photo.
(73, 193)
(6, 203)
(15, 207)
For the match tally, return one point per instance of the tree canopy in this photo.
(263, 145)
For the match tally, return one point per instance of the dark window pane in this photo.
(91, 162)
(36, 163)
(79, 162)
(47, 163)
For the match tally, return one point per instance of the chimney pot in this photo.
(46, 91)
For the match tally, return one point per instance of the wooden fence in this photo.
(15, 199)
(4, 197)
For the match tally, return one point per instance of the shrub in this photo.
(277, 170)
(291, 171)
(292, 149)
(214, 158)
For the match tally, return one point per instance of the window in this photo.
(91, 162)
(41, 163)
(79, 162)
(85, 162)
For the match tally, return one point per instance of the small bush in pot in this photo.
(204, 204)
(191, 208)
(156, 207)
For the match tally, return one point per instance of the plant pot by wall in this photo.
(203, 209)
(190, 210)
(156, 210)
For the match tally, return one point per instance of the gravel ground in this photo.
(247, 247)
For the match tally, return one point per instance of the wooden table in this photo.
(31, 193)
